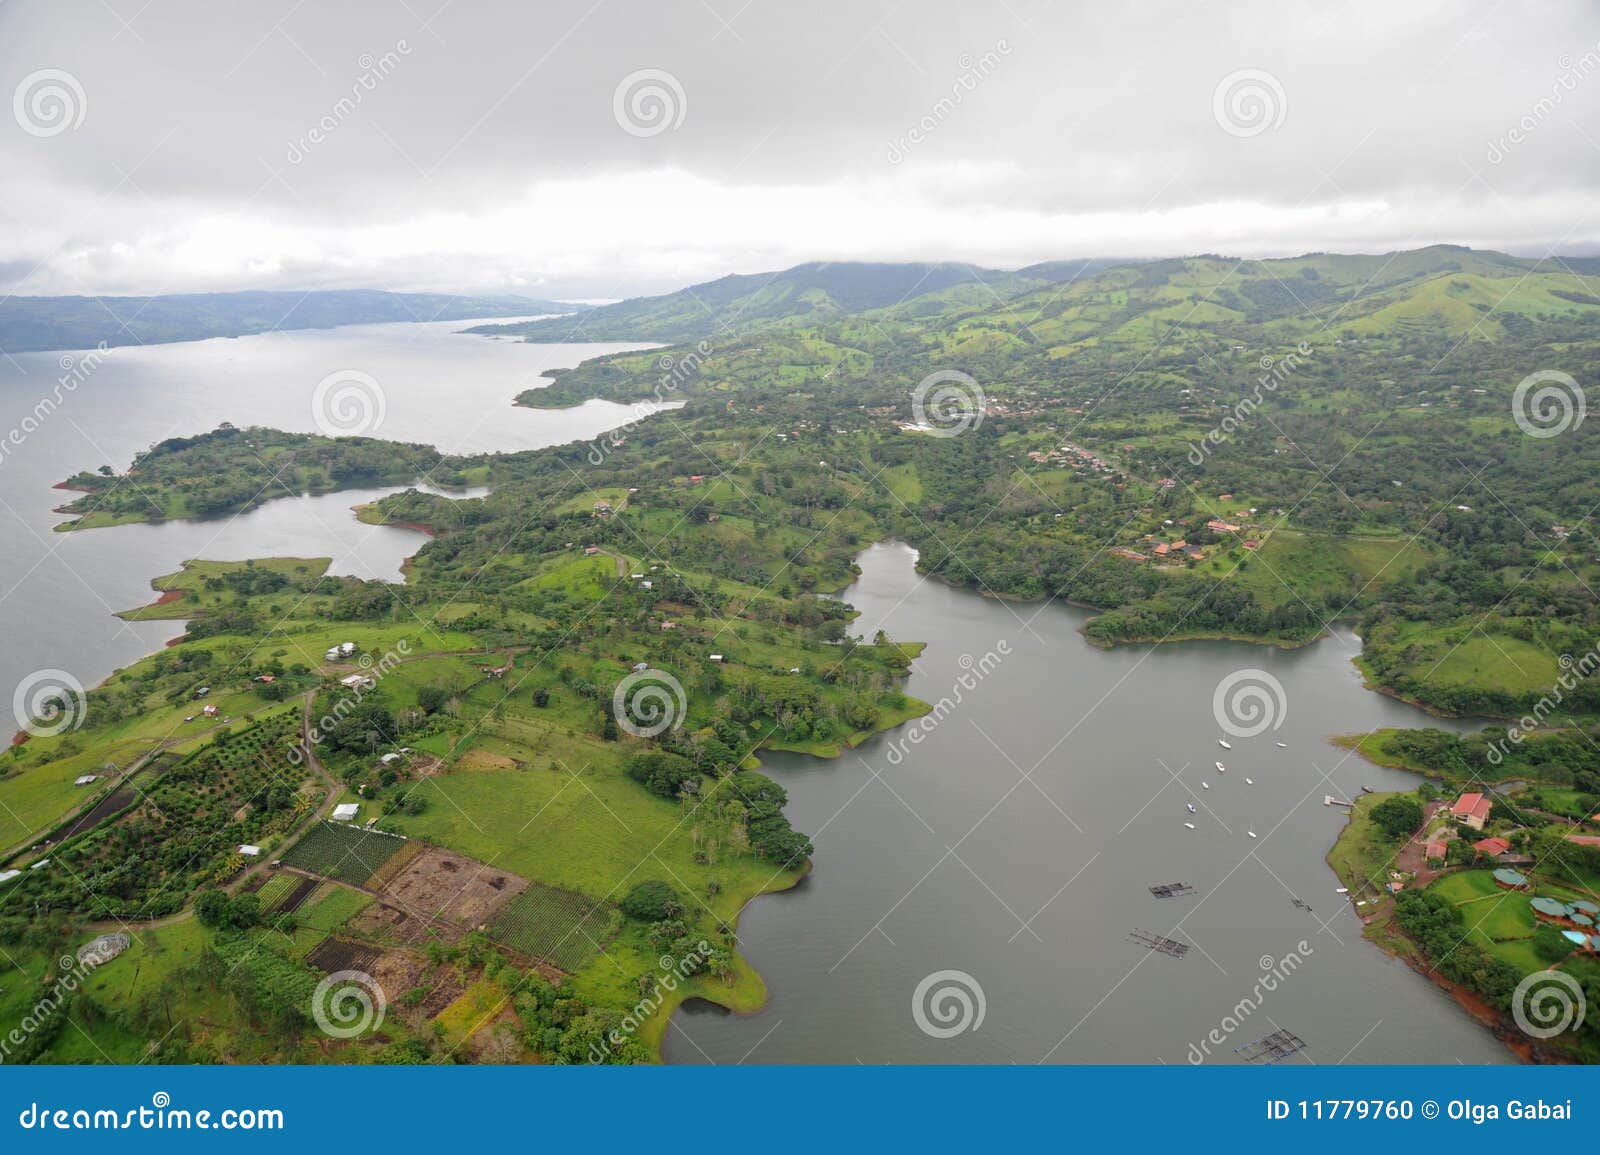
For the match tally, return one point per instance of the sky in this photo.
(606, 148)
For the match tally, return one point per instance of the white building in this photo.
(250, 851)
(346, 811)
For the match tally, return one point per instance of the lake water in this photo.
(1016, 844)
(58, 591)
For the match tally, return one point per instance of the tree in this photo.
(211, 908)
(1397, 816)
(651, 901)
(1550, 944)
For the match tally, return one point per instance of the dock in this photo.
(1173, 890)
(1156, 942)
(1330, 800)
(1273, 1048)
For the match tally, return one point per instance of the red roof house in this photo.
(1493, 847)
(1434, 849)
(1471, 810)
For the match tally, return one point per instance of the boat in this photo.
(1249, 781)
(1224, 743)
(1192, 810)
(1221, 769)
(1283, 745)
(1205, 786)
(1190, 825)
(1342, 890)
(1251, 833)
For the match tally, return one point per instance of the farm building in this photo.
(1471, 810)
(99, 951)
(388, 759)
(85, 779)
(210, 711)
(333, 654)
(1508, 879)
(8, 875)
(590, 550)
(250, 851)
(346, 811)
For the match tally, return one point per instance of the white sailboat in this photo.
(1192, 810)
(1283, 745)
(1249, 781)
(1221, 769)
(1224, 743)
(1251, 833)
(1190, 825)
(1205, 786)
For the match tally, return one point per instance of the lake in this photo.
(1017, 842)
(58, 591)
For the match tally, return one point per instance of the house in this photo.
(250, 851)
(1217, 525)
(1493, 847)
(357, 682)
(347, 648)
(602, 507)
(636, 576)
(266, 679)
(346, 811)
(209, 710)
(1194, 551)
(640, 667)
(1471, 810)
(333, 654)
(716, 657)
(1507, 879)
(1162, 550)
(647, 584)
(1434, 849)
(1252, 544)
(696, 478)
(85, 779)
(8, 875)
(389, 759)
(202, 691)
(590, 550)
(669, 625)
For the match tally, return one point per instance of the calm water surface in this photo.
(58, 591)
(1016, 844)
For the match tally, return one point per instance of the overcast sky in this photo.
(181, 145)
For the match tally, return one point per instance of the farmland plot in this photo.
(561, 927)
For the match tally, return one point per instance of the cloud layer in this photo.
(398, 143)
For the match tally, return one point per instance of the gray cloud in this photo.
(468, 145)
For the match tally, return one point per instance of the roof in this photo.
(1586, 907)
(1491, 846)
(249, 851)
(1509, 877)
(1549, 906)
(1434, 849)
(1575, 936)
(8, 875)
(346, 810)
(1471, 806)
(1581, 919)
(1583, 839)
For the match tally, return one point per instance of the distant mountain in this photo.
(34, 323)
(803, 295)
